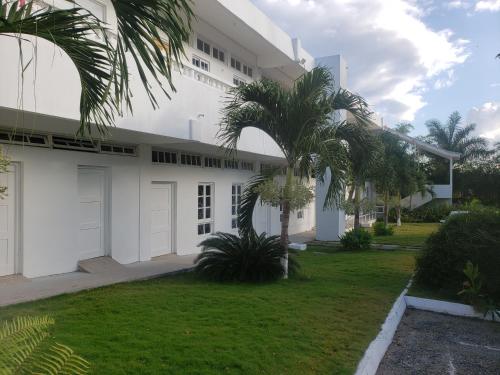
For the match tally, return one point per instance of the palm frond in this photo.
(153, 33)
(354, 104)
(83, 38)
(59, 360)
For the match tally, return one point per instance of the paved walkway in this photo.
(303, 237)
(101, 271)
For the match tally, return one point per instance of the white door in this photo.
(161, 219)
(7, 223)
(91, 189)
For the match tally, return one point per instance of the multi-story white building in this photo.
(159, 183)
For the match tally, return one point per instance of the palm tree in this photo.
(301, 122)
(103, 67)
(453, 137)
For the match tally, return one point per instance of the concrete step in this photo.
(101, 265)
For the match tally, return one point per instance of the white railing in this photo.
(365, 220)
(205, 78)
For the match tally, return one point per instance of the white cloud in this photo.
(487, 118)
(487, 5)
(457, 4)
(446, 81)
(393, 56)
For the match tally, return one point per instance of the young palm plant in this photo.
(22, 349)
(150, 34)
(302, 122)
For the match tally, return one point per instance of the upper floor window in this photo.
(188, 159)
(231, 164)
(238, 81)
(239, 66)
(218, 54)
(203, 46)
(164, 157)
(213, 162)
(200, 63)
(246, 165)
(235, 64)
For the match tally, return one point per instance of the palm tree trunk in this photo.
(398, 211)
(285, 218)
(357, 192)
(386, 208)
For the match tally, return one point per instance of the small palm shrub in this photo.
(21, 350)
(380, 229)
(356, 239)
(249, 258)
(473, 237)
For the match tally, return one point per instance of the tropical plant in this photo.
(250, 258)
(381, 229)
(301, 121)
(103, 68)
(356, 239)
(22, 349)
(397, 173)
(453, 137)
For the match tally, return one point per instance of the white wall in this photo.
(50, 205)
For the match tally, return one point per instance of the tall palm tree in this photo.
(453, 137)
(103, 65)
(301, 122)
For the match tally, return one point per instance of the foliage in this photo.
(365, 205)
(356, 239)
(481, 182)
(431, 212)
(21, 353)
(103, 67)
(250, 258)
(381, 229)
(302, 122)
(453, 137)
(272, 192)
(473, 237)
(4, 168)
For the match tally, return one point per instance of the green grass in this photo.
(408, 234)
(317, 323)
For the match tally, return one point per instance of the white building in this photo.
(159, 184)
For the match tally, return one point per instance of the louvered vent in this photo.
(29, 139)
(67, 143)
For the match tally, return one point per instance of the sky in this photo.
(412, 60)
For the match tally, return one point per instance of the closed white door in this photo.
(161, 219)
(91, 185)
(7, 223)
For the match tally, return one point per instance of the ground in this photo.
(319, 322)
(408, 234)
(435, 344)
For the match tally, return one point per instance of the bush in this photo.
(473, 237)
(252, 258)
(356, 239)
(431, 212)
(380, 229)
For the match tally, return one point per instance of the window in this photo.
(247, 71)
(164, 157)
(205, 204)
(218, 54)
(235, 204)
(246, 165)
(203, 46)
(188, 159)
(231, 164)
(200, 63)
(300, 214)
(213, 162)
(235, 64)
(238, 81)
(109, 148)
(67, 143)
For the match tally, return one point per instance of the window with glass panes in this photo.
(235, 204)
(205, 208)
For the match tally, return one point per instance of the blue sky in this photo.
(413, 60)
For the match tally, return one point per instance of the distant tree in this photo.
(404, 128)
(452, 136)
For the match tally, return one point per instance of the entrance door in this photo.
(91, 191)
(7, 222)
(161, 218)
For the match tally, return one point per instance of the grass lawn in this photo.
(408, 234)
(317, 323)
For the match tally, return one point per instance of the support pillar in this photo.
(330, 222)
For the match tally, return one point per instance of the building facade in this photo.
(159, 183)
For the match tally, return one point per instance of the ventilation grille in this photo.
(37, 140)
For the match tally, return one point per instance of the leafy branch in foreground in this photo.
(21, 350)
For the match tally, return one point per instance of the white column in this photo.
(451, 181)
(330, 223)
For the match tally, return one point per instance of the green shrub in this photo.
(431, 212)
(380, 229)
(356, 239)
(252, 258)
(473, 237)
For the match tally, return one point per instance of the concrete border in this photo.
(378, 347)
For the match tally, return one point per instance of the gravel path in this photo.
(430, 343)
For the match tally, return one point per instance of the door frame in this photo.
(173, 210)
(107, 204)
(18, 251)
